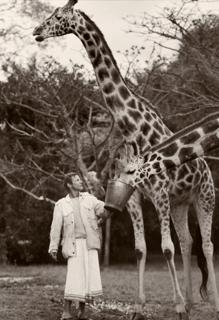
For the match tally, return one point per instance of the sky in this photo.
(109, 16)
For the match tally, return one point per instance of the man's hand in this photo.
(100, 221)
(53, 255)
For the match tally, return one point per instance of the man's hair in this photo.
(68, 179)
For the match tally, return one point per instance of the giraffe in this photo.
(141, 126)
(184, 146)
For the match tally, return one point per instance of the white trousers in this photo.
(83, 281)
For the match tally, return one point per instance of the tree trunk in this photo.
(3, 249)
(106, 259)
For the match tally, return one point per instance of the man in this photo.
(76, 216)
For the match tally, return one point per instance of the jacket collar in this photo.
(82, 195)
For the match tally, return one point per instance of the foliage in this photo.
(50, 126)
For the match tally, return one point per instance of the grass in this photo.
(41, 296)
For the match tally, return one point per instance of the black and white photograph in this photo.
(109, 159)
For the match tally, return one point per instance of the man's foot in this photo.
(81, 311)
(66, 316)
(81, 315)
(67, 310)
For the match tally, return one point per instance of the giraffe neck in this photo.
(136, 118)
(106, 70)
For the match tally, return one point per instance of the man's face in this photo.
(76, 184)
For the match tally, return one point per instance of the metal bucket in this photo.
(117, 195)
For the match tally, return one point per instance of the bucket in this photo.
(117, 195)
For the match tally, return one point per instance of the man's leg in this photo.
(67, 310)
(81, 311)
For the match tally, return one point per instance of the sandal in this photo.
(82, 318)
(66, 318)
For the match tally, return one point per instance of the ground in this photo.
(36, 292)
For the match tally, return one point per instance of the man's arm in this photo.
(101, 213)
(55, 232)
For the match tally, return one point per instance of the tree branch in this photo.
(39, 198)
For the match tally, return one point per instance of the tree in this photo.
(183, 86)
(51, 124)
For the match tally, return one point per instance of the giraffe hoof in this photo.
(217, 315)
(188, 307)
(183, 316)
(137, 316)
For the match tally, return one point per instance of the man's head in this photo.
(73, 182)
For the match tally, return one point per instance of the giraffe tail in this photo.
(202, 263)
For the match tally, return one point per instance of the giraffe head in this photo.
(128, 165)
(61, 22)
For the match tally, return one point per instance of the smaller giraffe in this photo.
(186, 145)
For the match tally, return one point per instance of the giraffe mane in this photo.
(87, 18)
(102, 38)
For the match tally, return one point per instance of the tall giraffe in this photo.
(142, 127)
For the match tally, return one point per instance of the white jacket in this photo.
(63, 223)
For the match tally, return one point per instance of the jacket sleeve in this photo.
(99, 208)
(56, 228)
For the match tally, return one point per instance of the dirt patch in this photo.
(16, 279)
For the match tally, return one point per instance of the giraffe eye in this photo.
(58, 16)
(130, 171)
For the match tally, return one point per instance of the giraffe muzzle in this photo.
(39, 38)
(37, 32)
(117, 195)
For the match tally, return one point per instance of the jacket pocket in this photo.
(68, 248)
(93, 222)
(68, 217)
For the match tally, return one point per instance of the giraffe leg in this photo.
(179, 215)
(204, 208)
(135, 211)
(162, 205)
